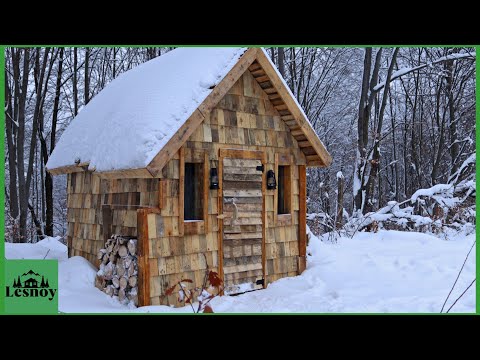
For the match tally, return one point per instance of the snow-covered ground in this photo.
(389, 271)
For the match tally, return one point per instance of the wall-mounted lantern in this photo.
(271, 182)
(213, 179)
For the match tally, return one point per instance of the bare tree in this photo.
(375, 159)
(74, 81)
(394, 120)
(87, 77)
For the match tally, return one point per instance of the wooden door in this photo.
(243, 222)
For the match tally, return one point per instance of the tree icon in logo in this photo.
(31, 282)
(44, 283)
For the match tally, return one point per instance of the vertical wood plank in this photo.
(289, 185)
(206, 192)
(143, 254)
(162, 186)
(181, 191)
(220, 220)
(264, 219)
(302, 218)
(69, 210)
(275, 197)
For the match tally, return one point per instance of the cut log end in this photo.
(100, 282)
(109, 290)
(123, 282)
(122, 251)
(131, 269)
(121, 295)
(132, 281)
(132, 246)
(101, 253)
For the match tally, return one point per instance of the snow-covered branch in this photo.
(407, 70)
(470, 161)
(431, 209)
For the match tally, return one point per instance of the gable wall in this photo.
(243, 119)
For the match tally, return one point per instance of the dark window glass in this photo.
(193, 201)
(283, 205)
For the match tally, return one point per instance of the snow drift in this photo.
(388, 271)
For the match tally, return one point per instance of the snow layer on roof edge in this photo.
(133, 117)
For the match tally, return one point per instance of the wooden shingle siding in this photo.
(87, 193)
(244, 119)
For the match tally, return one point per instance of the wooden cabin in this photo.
(198, 193)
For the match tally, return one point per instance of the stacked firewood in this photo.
(119, 269)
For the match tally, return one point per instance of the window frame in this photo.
(191, 227)
(284, 160)
(193, 209)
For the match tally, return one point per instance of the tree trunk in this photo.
(340, 187)
(87, 77)
(367, 99)
(114, 71)
(375, 161)
(42, 188)
(394, 152)
(12, 151)
(417, 104)
(75, 88)
(281, 61)
(437, 157)
(272, 54)
(361, 124)
(48, 177)
(21, 84)
(38, 225)
(454, 145)
(25, 177)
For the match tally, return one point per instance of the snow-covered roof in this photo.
(143, 117)
(133, 117)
